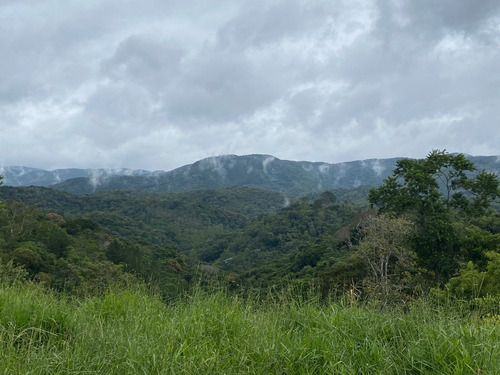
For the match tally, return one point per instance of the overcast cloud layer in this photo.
(156, 84)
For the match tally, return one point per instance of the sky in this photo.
(157, 84)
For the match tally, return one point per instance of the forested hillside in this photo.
(183, 220)
(240, 231)
(436, 227)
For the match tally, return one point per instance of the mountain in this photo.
(261, 171)
(26, 176)
(294, 178)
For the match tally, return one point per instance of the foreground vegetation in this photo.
(131, 331)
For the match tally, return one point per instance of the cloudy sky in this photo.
(156, 84)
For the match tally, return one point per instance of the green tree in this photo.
(435, 184)
(53, 237)
(435, 192)
(28, 258)
(471, 283)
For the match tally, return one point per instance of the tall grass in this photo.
(133, 332)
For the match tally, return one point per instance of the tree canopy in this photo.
(435, 193)
(439, 183)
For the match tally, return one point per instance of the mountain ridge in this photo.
(294, 178)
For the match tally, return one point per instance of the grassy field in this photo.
(133, 332)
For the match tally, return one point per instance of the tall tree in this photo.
(434, 192)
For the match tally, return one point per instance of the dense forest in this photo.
(430, 232)
(429, 226)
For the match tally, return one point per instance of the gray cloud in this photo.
(156, 84)
(257, 25)
(144, 60)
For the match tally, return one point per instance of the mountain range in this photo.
(294, 178)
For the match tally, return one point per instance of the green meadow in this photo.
(131, 331)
